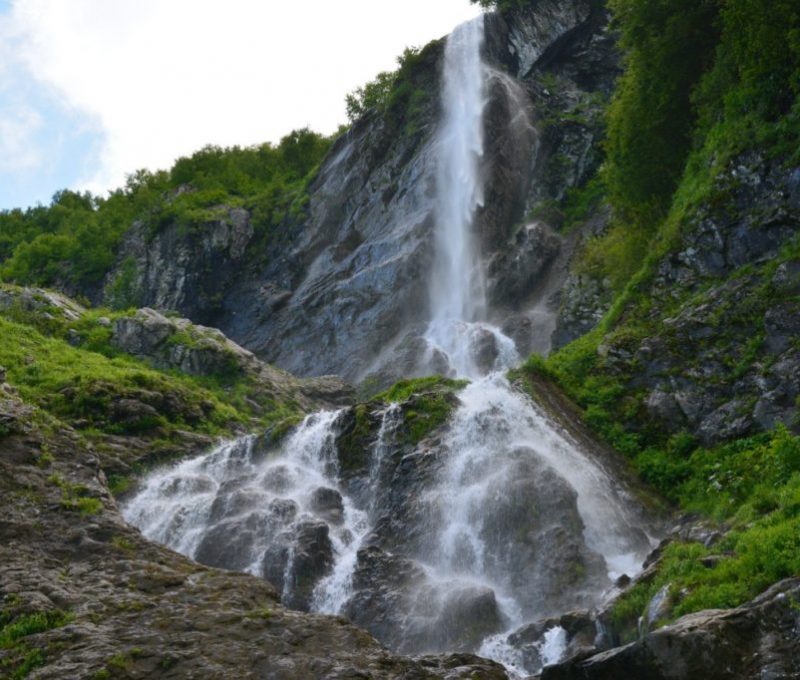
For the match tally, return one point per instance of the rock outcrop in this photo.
(757, 640)
(107, 603)
(367, 228)
(175, 343)
(715, 352)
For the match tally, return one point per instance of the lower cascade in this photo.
(466, 540)
(453, 544)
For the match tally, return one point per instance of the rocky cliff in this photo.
(367, 227)
(85, 596)
(687, 362)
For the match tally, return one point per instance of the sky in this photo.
(92, 90)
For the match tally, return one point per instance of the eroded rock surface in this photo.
(757, 640)
(312, 300)
(132, 609)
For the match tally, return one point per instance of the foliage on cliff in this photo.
(73, 241)
(692, 373)
(63, 360)
(698, 76)
(404, 95)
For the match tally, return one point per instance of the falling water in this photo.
(458, 288)
(256, 511)
(457, 291)
(334, 591)
(501, 521)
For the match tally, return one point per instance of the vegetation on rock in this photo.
(702, 138)
(73, 242)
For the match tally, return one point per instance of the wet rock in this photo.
(757, 639)
(520, 328)
(411, 356)
(514, 271)
(395, 601)
(468, 615)
(311, 560)
(658, 609)
(549, 557)
(484, 350)
(578, 629)
(327, 504)
(381, 584)
(229, 543)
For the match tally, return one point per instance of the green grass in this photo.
(404, 389)
(73, 383)
(425, 413)
(755, 554)
(353, 445)
(15, 630)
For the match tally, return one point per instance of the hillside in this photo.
(636, 231)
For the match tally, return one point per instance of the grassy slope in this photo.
(132, 413)
(730, 107)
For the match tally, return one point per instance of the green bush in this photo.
(668, 45)
(75, 239)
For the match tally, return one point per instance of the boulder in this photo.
(311, 559)
(757, 640)
(327, 504)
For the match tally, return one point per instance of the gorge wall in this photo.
(441, 517)
(367, 227)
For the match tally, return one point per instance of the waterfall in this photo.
(278, 515)
(334, 591)
(451, 545)
(458, 329)
(457, 289)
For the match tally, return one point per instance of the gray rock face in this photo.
(141, 607)
(542, 26)
(189, 272)
(757, 640)
(174, 343)
(724, 362)
(177, 343)
(314, 302)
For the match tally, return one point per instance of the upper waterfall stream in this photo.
(499, 519)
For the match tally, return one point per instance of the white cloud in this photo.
(18, 151)
(18, 121)
(165, 77)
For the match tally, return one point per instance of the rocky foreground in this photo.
(86, 596)
(98, 601)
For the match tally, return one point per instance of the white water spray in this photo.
(458, 289)
(506, 519)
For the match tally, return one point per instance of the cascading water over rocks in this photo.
(451, 543)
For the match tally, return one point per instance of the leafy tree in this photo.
(73, 242)
(379, 92)
(668, 45)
